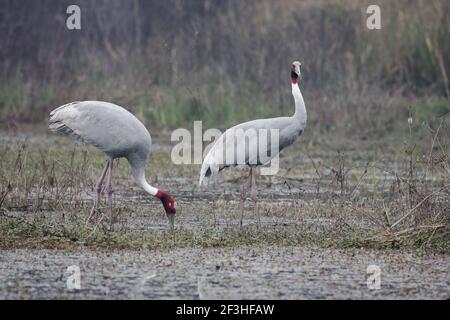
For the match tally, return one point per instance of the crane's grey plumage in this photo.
(116, 132)
(109, 127)
(289, 128)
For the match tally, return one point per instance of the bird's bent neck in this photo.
(138, 170)
(147, 188)
(300, 109)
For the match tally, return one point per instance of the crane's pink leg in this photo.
(243, 197)
(242, 204)
(253, 193)
(98, 189)
(109, 189)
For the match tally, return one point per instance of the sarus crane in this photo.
(249, 150)
(119, 134)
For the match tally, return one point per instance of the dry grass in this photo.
(338, 194)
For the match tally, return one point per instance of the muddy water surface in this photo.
(226, 273)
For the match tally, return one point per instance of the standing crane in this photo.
(288, 128)
(117, 133)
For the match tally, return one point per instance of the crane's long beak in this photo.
(171, 217)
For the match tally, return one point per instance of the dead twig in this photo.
(413, 209)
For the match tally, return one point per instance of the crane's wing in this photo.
(248, 143)
(65, 120)
(107, 126)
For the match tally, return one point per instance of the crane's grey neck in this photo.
(300, 109)
(138, 169)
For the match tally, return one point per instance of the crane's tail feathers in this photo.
(59, 119)
(55, 111)
(60, 127)
(207, 171)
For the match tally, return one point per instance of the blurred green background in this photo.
(173, 62)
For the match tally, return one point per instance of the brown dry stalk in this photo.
(439, 61)
(412, 210)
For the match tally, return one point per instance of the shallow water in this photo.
(225, 273)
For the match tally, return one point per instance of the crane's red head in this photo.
(167, 201)
(295, 71)
(169, 205)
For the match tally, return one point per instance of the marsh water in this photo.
(223, 273)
